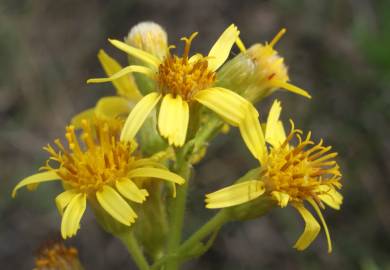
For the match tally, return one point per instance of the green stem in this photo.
(214, 224)
(135, 251)
(179, 207)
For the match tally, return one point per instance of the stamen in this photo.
(187, 46)
(278, 37)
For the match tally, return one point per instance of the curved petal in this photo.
(274, 132)
(129, 190)
(157, 173)
(235, 194)
(112, 107)
(252, 134)
(115, 205)
(138, 116)
(312, 228)
(126, 70)
(84, 115)
(229, 105)
(173, 119)
(74, 211)
(331, 197)
(63, 200)
(35, 179)
(140, 54)
(319, 213)
(281, 197)
(126, 85)
(221, 49)
(292, 88)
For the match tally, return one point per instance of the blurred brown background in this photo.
(337, 49)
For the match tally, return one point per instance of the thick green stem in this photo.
(135, 251)
(178, 211)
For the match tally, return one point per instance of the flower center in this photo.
(301, 171)
(95, 159)
(184, 76)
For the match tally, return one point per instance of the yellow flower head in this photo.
(182, 81)
(56, 256)
(290, 174)
(259, 71)
(99, 167)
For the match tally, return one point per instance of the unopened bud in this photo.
(150, 37)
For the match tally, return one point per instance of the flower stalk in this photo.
(135, 250)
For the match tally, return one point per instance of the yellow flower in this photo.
(259, 71)
(290, 175)
(111, 107)
(56, 256)
(98, 167)
(181, 82)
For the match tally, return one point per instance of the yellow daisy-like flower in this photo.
(111, 107)
(290, 175)
(98, 167)
(181, 82)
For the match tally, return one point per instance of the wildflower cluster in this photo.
(167, 109)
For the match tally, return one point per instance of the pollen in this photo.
(305, 171)
(94, 158)
(184, 76)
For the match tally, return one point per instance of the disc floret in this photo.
(184, 76)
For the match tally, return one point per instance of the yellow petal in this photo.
(115, 205)
(221, 49)
(318, 211)
(126, 85)
(137, 53)
(112, 107)
(35, 179)
(274, 132)
(281, 197)
(138, 116)
(173, 119)
(252, 134)
(312, 228)
(126, 70)
(292, 88)
(129, 190)
(72, 215)
(235, 194)
(330, 196)
(229, 105)
(156, 173)
(64, 199)
(84, 115)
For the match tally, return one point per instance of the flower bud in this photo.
(258, 72)
(150, 37)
